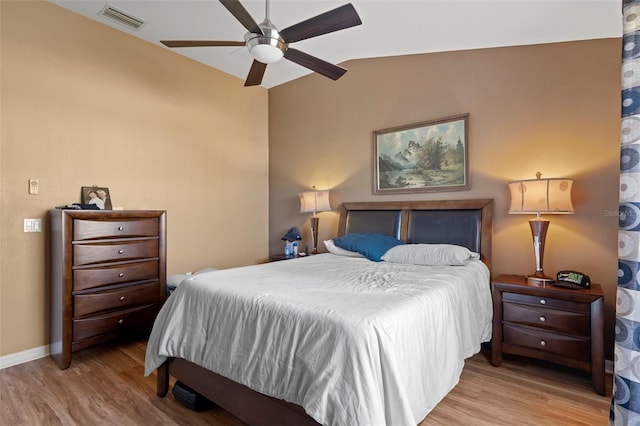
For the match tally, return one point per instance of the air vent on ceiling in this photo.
(121, 17)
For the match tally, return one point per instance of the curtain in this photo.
(625, 404)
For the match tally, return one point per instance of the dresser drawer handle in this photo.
(543, 343)
(543, 319)
(120, 321)
(543, 301)
(121, 274)
(120, 228)
(121, 298)
(120, 251)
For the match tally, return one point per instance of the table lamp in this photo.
(540, 196)
(314, 201)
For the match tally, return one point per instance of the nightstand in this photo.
(282, 256)
(555, 324)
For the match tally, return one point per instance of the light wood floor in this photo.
(105, 386)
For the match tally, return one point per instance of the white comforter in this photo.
(352, 341)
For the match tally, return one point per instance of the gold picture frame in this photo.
(430, 156)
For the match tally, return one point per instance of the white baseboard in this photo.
(24, 356)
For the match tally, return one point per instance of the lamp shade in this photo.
(314, 201)
(541, 196)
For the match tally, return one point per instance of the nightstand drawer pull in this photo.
(120, 321)
(543, 343)
(543, 301)
(121, 298)
(120, 251)
(120, 228)
(121, 274)
(543, 319)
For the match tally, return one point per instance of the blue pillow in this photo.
(371, 245)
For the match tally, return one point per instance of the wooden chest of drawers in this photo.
(107, 276)
(554, 324)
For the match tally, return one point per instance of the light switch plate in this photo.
(32, 225)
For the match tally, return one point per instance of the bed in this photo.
(337, 340)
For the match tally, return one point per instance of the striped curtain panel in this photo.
(625, 405)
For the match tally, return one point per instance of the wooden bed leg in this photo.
(163, 380)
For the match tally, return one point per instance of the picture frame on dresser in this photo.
(430, 156)
(98, 195)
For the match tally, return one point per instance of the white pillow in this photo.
(334, 249)
(430, 254)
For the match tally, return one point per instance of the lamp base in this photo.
(314, 234)
(539, 279)
(539, 233)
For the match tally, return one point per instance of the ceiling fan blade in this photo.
(255, 74)
(332, 71)
(200, 43)
(241, 14)
(333, 20)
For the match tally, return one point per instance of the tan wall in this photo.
(84, 104)
(549, 108)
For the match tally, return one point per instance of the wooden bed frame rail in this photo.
(251, 407)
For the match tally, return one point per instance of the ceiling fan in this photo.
(268, 45)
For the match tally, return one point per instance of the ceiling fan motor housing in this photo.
(268, 47)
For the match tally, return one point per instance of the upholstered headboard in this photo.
(466, 223)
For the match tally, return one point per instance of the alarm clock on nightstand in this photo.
(573, 279)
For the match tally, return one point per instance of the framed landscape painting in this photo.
(424, 157)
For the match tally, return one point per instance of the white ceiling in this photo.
(389, 27)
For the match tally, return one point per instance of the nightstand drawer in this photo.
(86, 304)
(547, 302)
(92, 229)
(84, 254)
(96, 277)
(573, 347)
(551, 319)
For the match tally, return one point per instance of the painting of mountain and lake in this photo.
(422, 157)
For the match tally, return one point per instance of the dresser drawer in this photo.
(97, 277)
(572, 347)
(144, 294)
(552, 319)
(546, 302)
(126, 320)
(92, 229)
(84, 254)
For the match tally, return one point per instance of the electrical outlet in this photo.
(34, 186)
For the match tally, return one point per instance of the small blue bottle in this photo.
(295, 248)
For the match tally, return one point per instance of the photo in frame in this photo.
(429, 156)
(96, 195)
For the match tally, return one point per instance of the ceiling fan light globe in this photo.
(266, 53)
